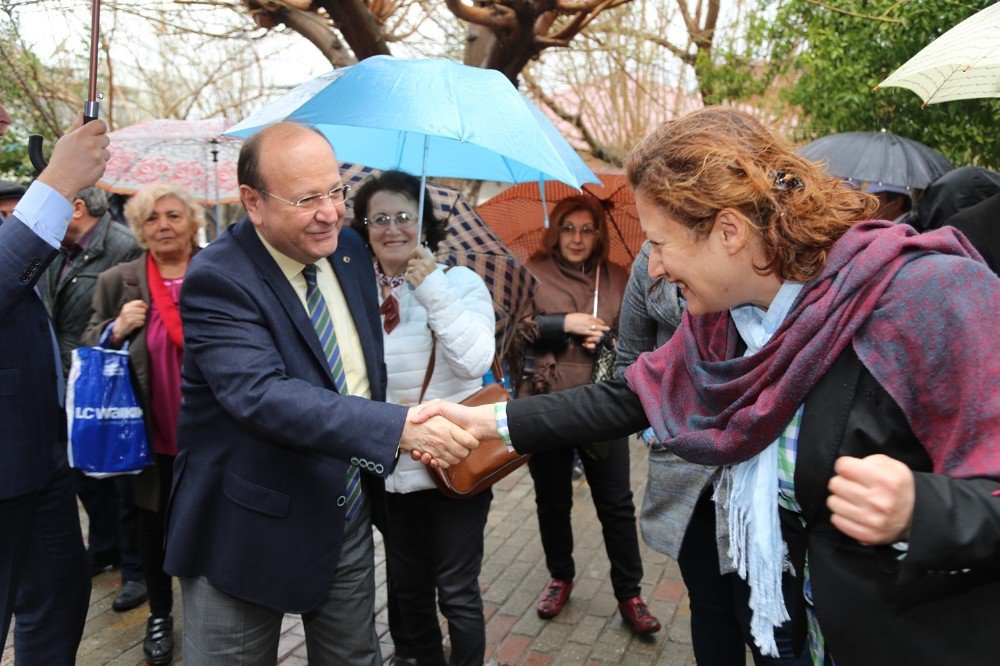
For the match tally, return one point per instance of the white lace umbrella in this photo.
(189, 153)
(963, 63)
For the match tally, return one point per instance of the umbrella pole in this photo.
(92, 107)
(215, 179)
(423, 188)
(545, 206)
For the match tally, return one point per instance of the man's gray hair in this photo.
(95, 199)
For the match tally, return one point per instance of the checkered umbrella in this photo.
(516, 215)
(470, 243)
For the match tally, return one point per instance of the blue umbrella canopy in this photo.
(878, 157)
(428, 116)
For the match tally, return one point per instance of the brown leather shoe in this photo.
(635, 612)
(553, 598)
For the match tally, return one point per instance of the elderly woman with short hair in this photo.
(841, 369)
(137, 302)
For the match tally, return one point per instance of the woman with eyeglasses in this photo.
(138, 302)
(438, 329)
(574, 276)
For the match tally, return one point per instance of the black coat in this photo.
(981, 225)
(939, 605)
(69, 299)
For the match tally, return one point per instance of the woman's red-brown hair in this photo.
(550, 240)
(717, 158)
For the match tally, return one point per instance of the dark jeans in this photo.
(151, 534)
(720, 611)
(552, 472)
(435, 544)
(43, 573)
(112, 537)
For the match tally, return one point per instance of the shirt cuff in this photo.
(45, 212)
(500, 413)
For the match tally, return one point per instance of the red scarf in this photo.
(164, 304)
(922, 316)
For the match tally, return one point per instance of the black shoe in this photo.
(132, 593)
(101, 565)
(158, 646)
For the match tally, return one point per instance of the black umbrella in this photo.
(878, 157)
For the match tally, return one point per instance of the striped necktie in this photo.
(321, 321)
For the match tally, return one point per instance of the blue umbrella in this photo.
(432, 117)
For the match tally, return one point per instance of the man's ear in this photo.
(79, 209)
(733, 228)
(253, 202)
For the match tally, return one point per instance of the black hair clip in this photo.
(783, 180)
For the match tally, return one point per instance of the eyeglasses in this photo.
(383, 221)
(570, 230)
(314, 201)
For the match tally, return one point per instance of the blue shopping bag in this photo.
(107, 431)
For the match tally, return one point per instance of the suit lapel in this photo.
(245, 235)
(347, 265)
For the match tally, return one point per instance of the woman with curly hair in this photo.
(841, 370)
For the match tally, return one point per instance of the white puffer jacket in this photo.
(457, 305)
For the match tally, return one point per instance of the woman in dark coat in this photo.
(841, 370)
(137, 301)
(578, 300)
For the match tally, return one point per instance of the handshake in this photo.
(441, 434)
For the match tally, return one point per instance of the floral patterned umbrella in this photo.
(190, 153)
(470, 243)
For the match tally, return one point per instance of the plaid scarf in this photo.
(923, 319)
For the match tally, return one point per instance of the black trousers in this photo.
(44, 577)
(552, 472)
(435, 545)
(159, 584)
(112, 537)
(720, 603)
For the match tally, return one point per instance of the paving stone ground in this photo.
(589, 630)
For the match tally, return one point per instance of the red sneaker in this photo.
(636, 613)
(553, 598)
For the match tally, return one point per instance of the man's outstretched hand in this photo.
(435, 441)
(477, 422)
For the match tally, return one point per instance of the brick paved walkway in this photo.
(588, 631)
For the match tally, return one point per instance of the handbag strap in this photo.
(497, 369)
(430, 367)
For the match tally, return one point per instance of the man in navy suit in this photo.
(43, 567)
(277, 424)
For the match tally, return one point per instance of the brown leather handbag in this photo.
(491, 460)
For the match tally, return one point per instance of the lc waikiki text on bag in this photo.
(107, 431)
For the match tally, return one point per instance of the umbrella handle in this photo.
(35, 153)
(91, 109)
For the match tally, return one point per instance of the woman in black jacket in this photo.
(842, 371)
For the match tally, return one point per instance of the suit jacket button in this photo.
(347, 260)
(341, 501)
(379, 469)
(354, 460)
(36, 262)
(370, 466)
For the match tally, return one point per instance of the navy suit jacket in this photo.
(32, 424)
(264, 440)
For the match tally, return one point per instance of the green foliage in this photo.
(826, 58)
(26, 97)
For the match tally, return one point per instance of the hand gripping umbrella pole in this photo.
(92, 107)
